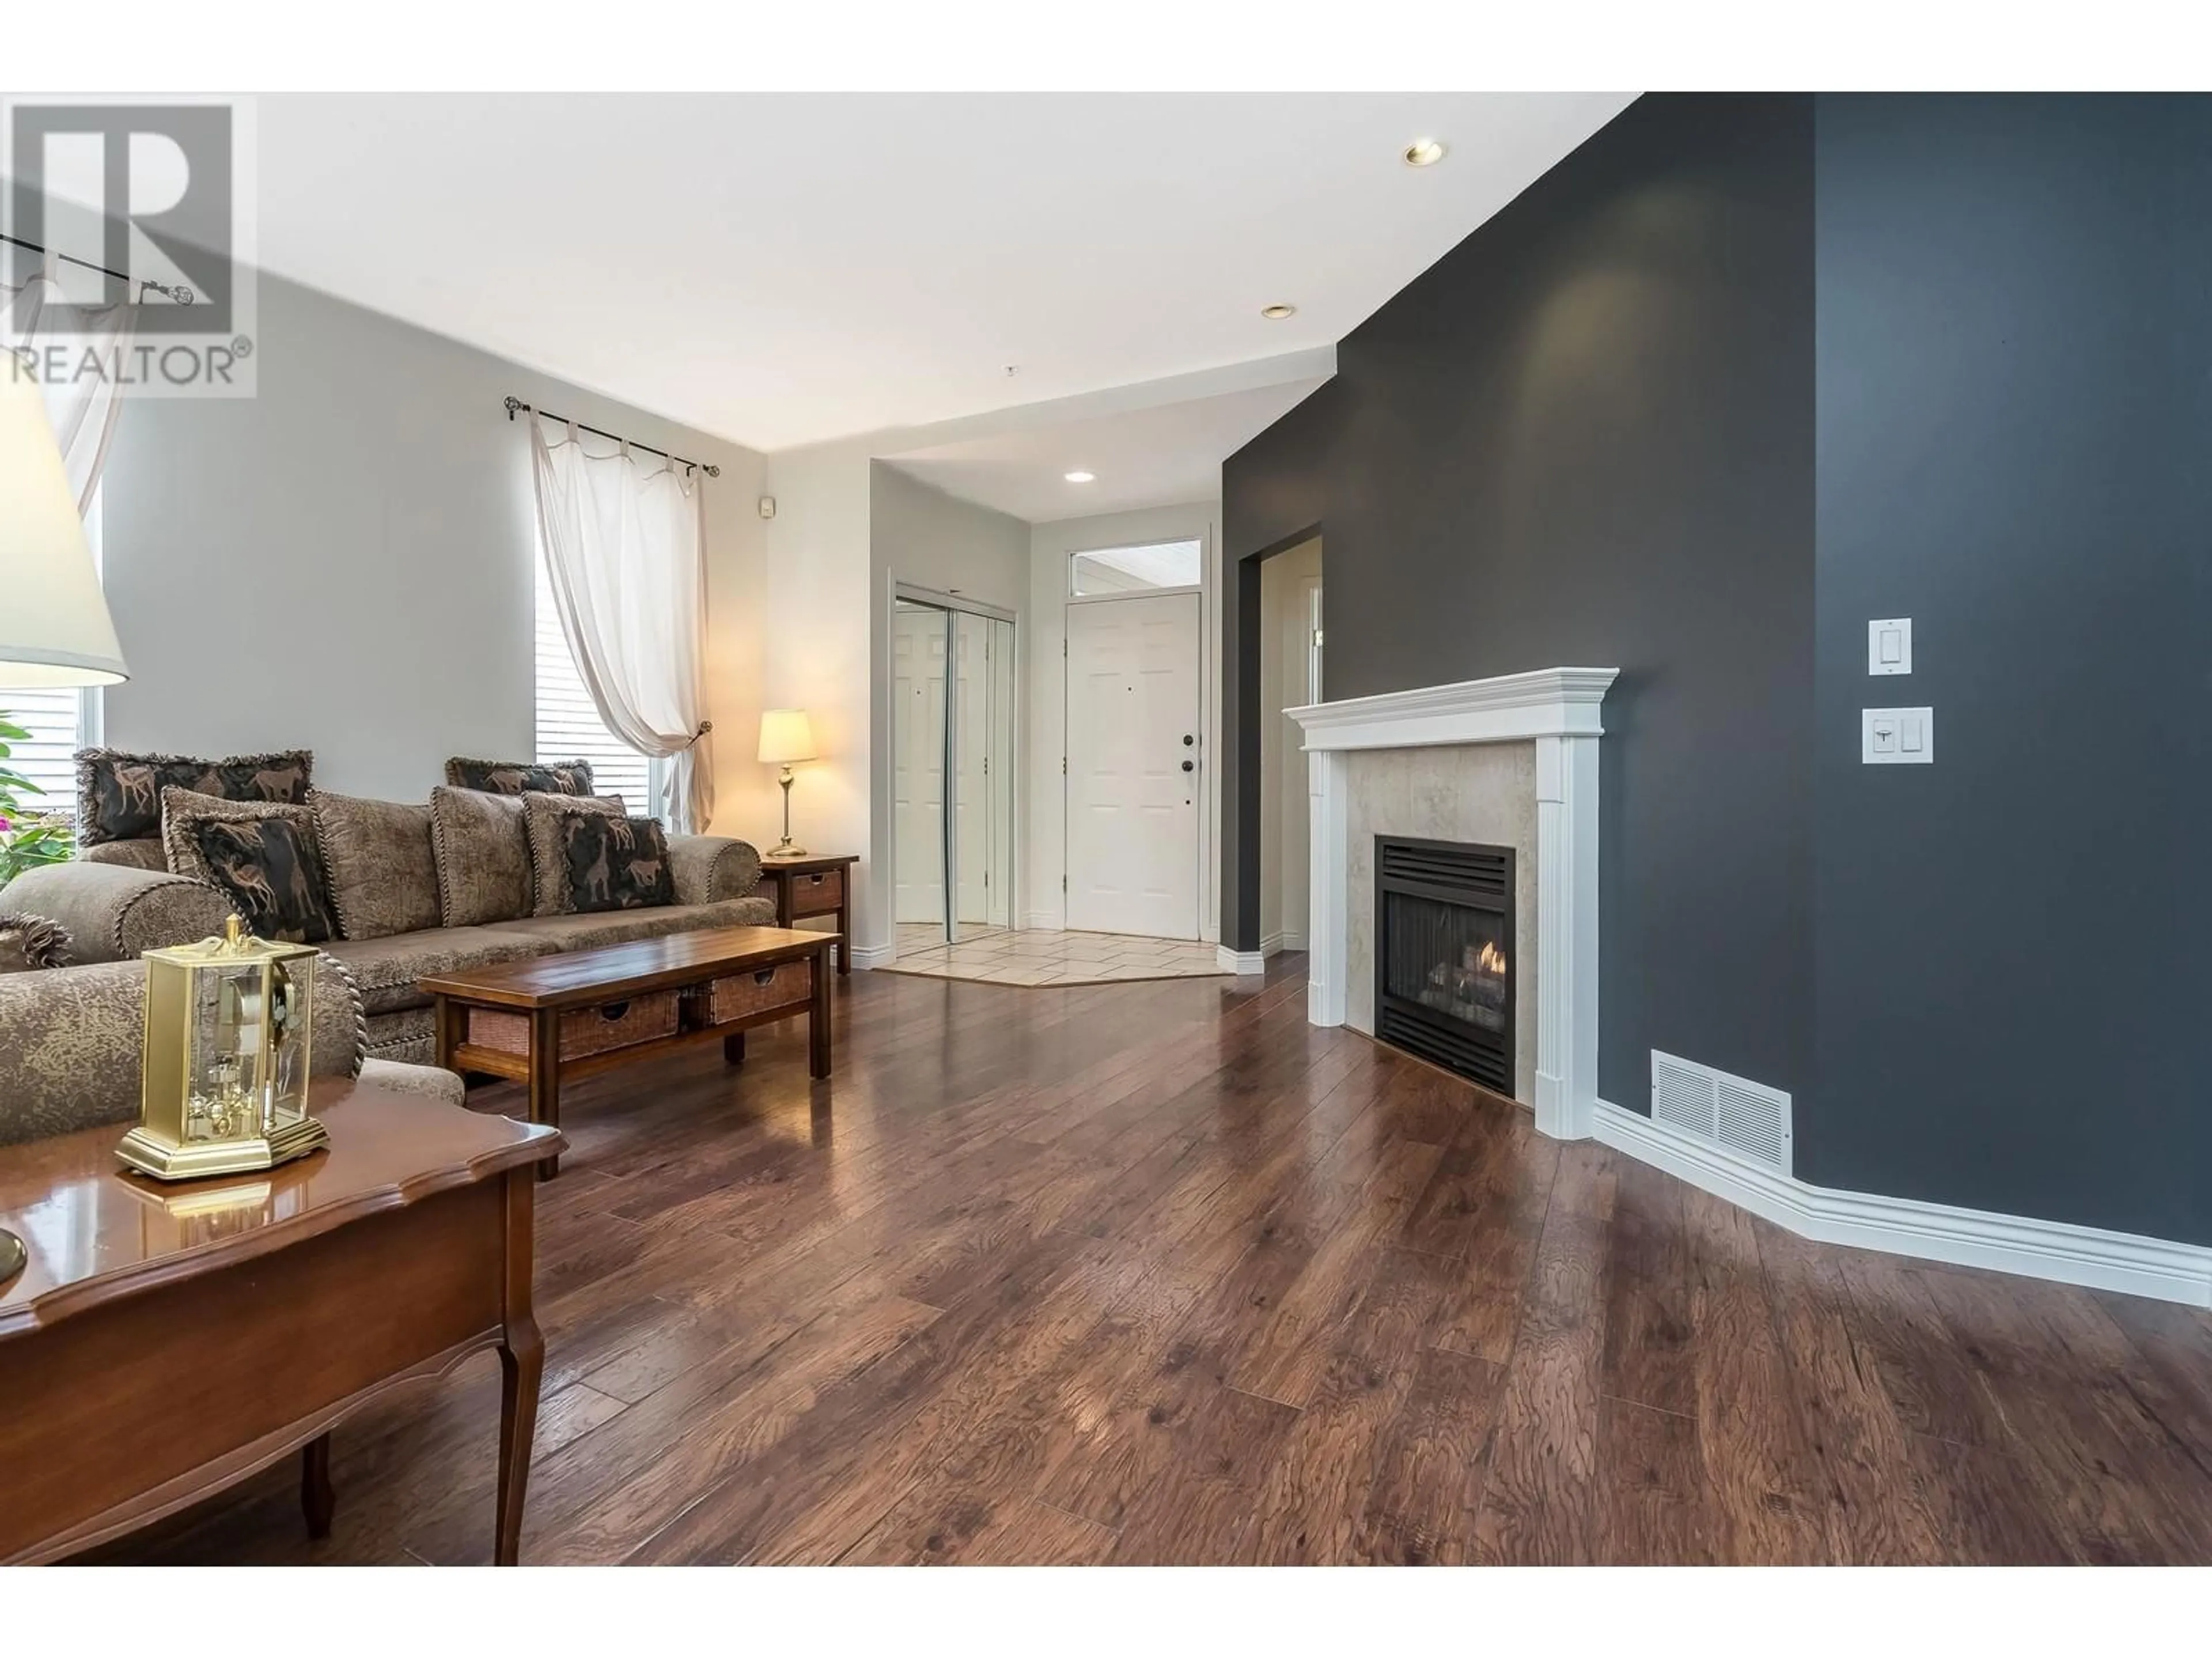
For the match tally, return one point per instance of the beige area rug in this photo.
(1036, 957)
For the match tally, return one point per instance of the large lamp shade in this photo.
(54, 626)
(785, 737)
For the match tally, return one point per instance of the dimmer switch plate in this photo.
(1897, 737)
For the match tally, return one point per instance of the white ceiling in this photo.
(1156, 456)
(782, 268)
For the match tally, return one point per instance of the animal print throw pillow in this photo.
(269, 868)
(118, 795)
(610, 863)
(541, 828)
(517, 777)
(182, 808)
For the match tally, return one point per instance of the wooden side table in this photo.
(818, 884)
(167, 1340)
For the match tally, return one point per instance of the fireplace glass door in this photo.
(1444, 955)
(1448, 959)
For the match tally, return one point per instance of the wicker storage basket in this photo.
(787, 985)
(583, 1030)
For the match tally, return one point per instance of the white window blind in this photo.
(568, 727)
(61, 720)
(52, 717)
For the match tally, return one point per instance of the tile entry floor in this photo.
(1035, 957)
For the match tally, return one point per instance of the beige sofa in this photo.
(71, 1038)
(118, 901)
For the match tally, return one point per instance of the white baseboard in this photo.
(1050, 921)
(1293, 941)
(2054, 1250)
(1272, 945)
(1240, 961)
(873, 956)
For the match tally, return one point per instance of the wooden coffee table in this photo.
(169, 1338)
(551, 1018)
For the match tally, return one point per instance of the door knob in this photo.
(1188, 739)
(1190, 765)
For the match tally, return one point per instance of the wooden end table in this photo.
(168, 1339)
(814, 886)
(548, 990)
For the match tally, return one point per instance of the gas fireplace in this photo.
(1443, 949)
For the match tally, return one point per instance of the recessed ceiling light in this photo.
(1080, 477)
(1424, 152)
(1276, 313)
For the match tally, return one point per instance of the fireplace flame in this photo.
(1491, 960)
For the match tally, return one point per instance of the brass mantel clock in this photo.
(224, 1076)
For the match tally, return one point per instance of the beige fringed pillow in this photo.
(484, 859)
(382, 862)
(30, 943)
(541, 827)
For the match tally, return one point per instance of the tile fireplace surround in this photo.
(1512, 762)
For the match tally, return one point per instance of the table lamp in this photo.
(54, 627)
(786, 737)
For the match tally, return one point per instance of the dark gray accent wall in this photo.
(1737, 377)
(1274, 491)
(1585, 437)
(2015, 451)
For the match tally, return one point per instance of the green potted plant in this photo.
(28, 837)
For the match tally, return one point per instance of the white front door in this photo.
(1133, 765)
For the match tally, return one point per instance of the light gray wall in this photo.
(919, 534)
(922, 535)
(343, 562)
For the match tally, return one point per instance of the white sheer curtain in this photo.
(629, 574)
(60, 339)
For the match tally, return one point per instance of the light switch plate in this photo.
(1897, 737)
(1889, 645)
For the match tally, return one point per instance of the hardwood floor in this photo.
(1158, 1272)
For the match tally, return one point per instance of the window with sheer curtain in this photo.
(569, 727)
(61, 720)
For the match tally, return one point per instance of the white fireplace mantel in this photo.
(1557, 708)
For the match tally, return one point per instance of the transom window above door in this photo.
(1136, 569)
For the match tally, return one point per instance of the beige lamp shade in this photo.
(785, 737)
(54, 626)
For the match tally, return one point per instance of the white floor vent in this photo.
(1745, 1117)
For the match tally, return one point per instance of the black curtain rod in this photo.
(183, 296)
(515, 406)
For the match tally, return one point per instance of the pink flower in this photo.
(5, 826)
